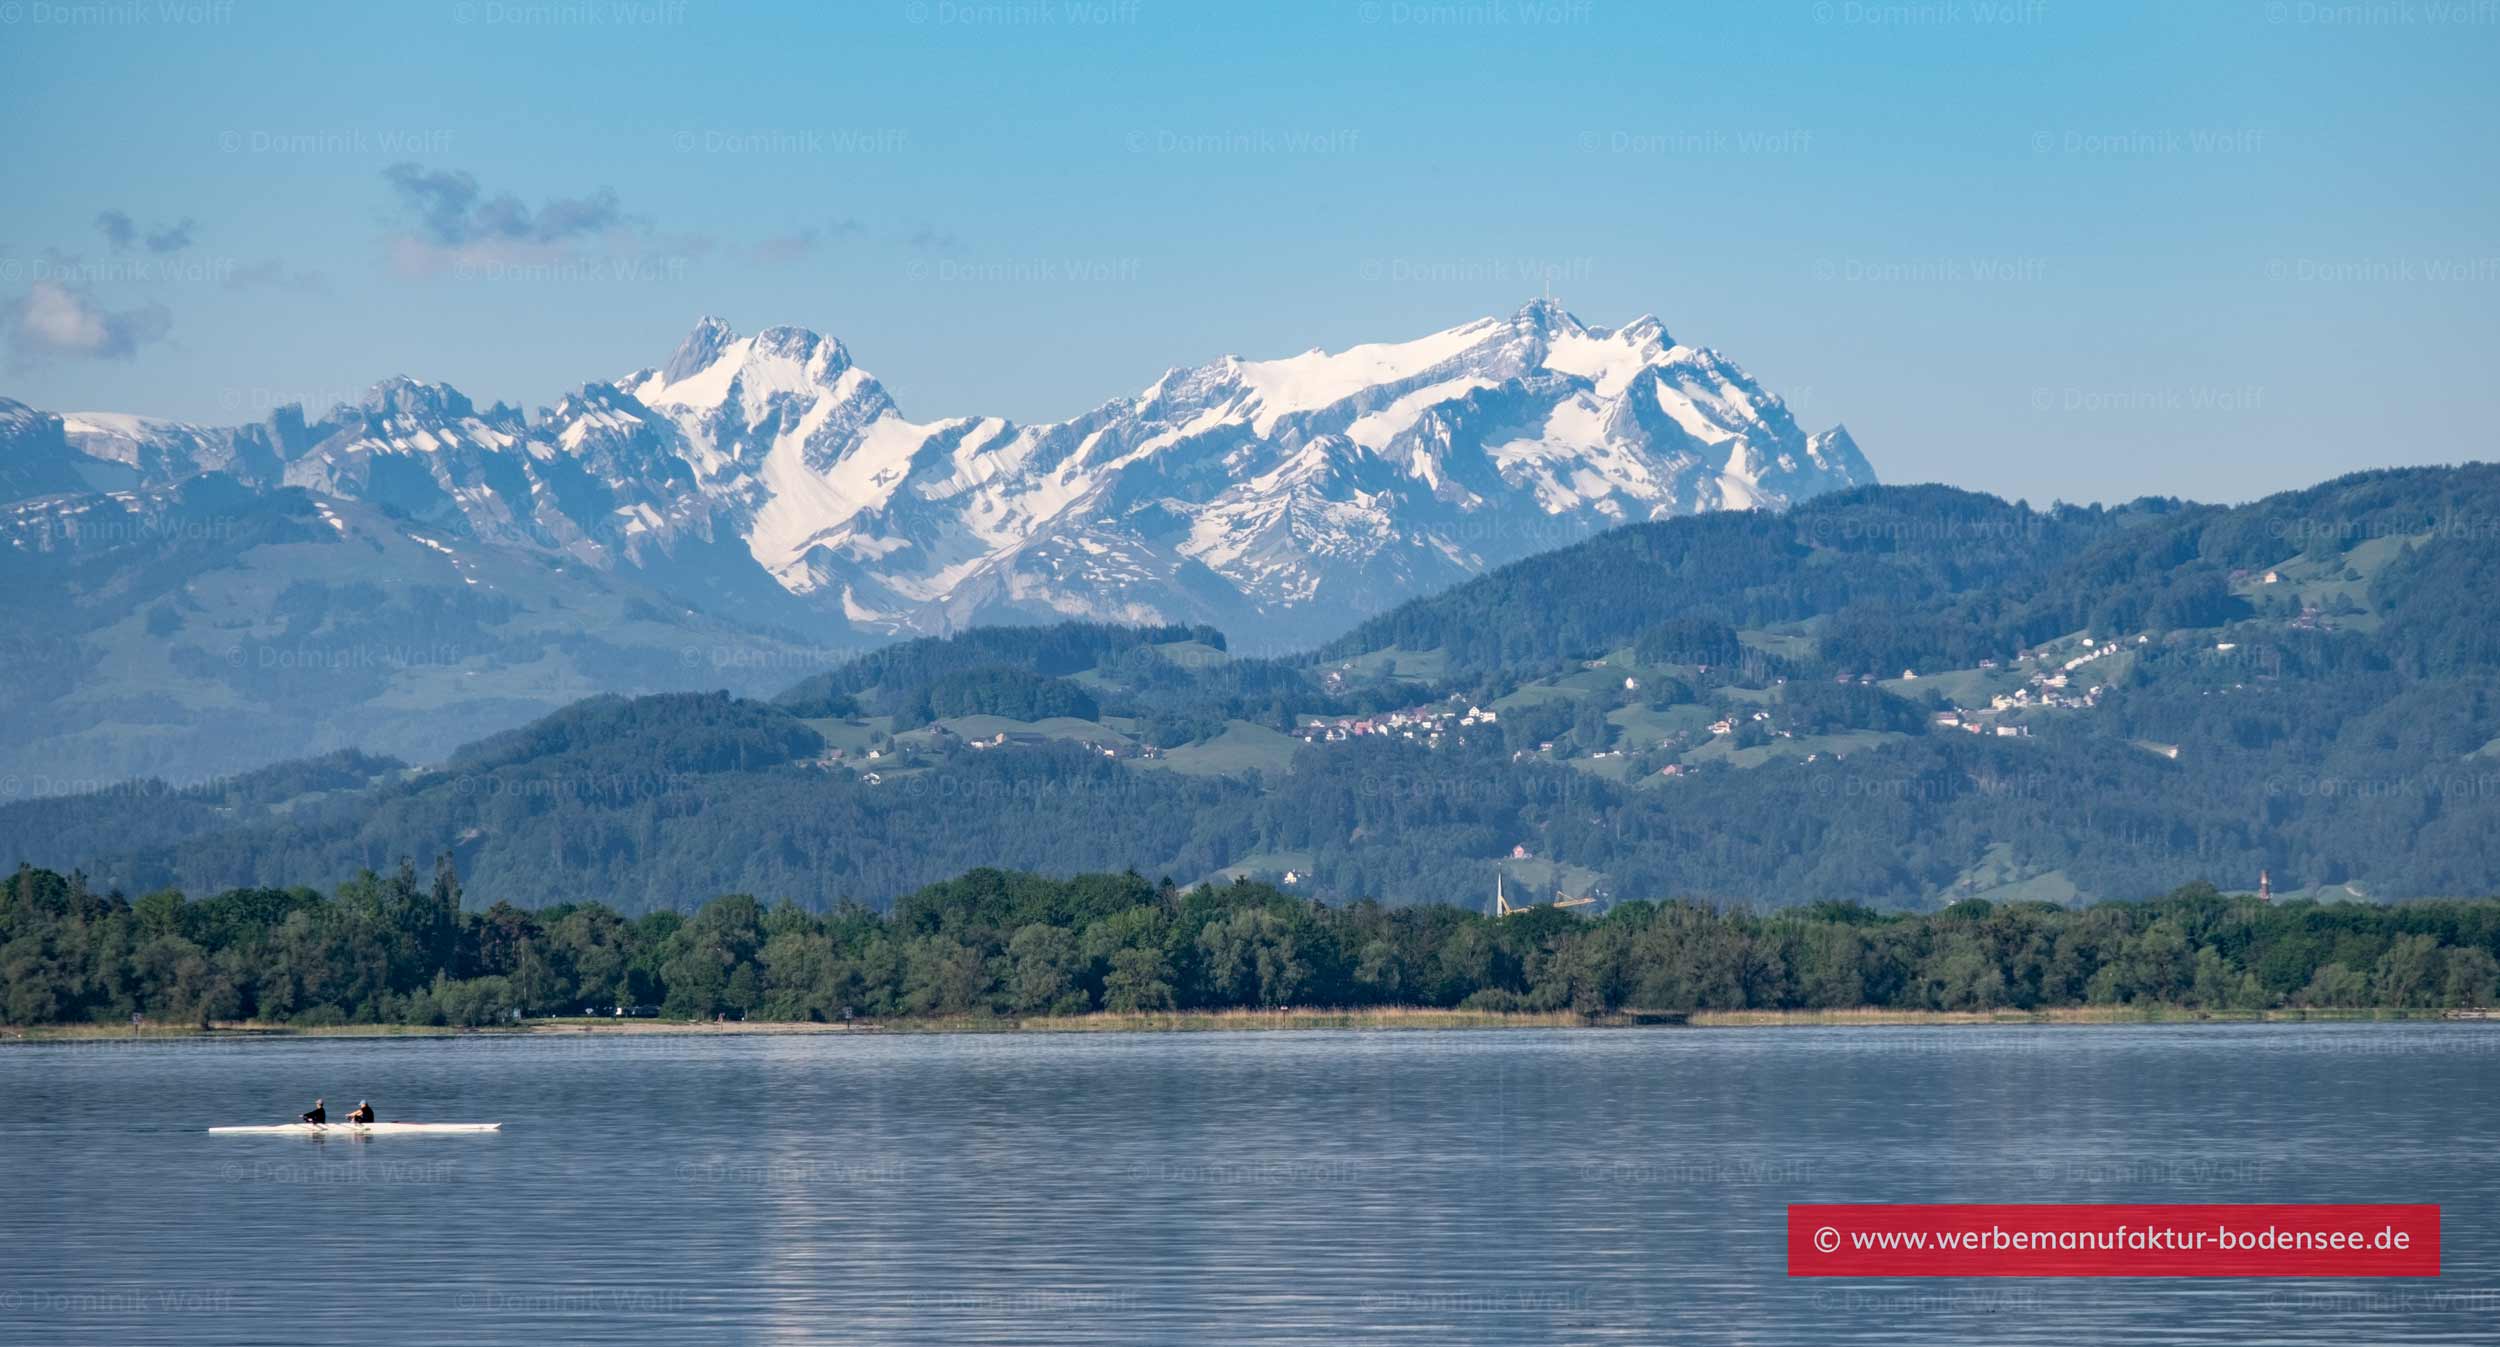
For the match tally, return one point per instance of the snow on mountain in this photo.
(1282, 498)
(36, 459)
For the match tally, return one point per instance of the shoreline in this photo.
(1399, 1018)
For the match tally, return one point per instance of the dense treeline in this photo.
(392, 949)
(883, 682)
(1001, 692)
(1133, 672)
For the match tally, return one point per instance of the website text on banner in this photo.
(2113, 1240)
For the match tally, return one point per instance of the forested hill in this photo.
(1898, 696)
(1931, 576)
(1881, 550)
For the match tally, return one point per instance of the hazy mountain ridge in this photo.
(193, 629)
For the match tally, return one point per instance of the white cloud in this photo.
(54, 321)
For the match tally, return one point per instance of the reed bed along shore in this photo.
(1219, 1021)
(1875, 1016)
(1230, 1021)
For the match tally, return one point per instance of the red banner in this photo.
(2112, 1240)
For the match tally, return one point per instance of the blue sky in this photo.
(2055, 250)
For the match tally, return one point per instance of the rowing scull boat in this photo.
(360, 1129)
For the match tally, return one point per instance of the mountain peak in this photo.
(1643, 329)
(802, 344)
(1547, 314)
(701, 347)
(400, 395)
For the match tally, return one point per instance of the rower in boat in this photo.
(363, 1113)
(316, 1114)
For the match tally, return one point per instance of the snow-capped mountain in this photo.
(772, 476)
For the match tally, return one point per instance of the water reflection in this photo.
(1519, 1187)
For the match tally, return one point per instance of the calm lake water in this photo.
(1509, 1187)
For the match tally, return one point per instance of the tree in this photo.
(1140, 979)
(1046, 969)
(2334, 985)
(943, 976)
(2473, 977)
(1252, 958)
(2408, 973)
